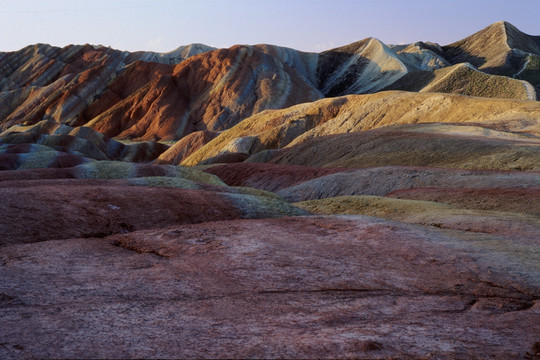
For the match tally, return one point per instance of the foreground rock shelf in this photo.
(315, 286)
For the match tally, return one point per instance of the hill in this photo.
(280, 128)
(153, 96)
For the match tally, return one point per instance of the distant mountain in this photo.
(500, 49)
(166, 96)
(121, 96)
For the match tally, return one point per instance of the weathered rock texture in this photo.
(267, 177)
(429, 213)
(526, 201)
(498, 49)
(114, 197)
(185, 147)
(465, 79)
(308, 287)
(125, 95)
(436, 145)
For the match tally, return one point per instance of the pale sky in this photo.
(308, 25)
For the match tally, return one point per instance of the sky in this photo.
(308, 25)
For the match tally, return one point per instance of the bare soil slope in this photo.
(279, 128)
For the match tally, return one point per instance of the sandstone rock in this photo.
(366, 66)
(499, 48)
(421, 55)
(149, 95)
(429, 213)
(117, 94)
(79, 141)
(42, 210)
(437, 145)
(465, 79)
(306, 287)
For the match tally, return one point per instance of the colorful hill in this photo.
(167, 96)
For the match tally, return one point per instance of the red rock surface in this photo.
(270, 177)
(148, 100)
(40, 210)
(311, 287)
(54, 211)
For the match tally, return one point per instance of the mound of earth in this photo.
(498, 49)
(525, 201)
(41, 144)
(269, 177)
(437, 145)
(361, 67)
(429, 213)
(354, 113)
(113, 197)
(185, 147)
(393, 178)
(464, 79)
(33, 156)
(39, 211)
(305, 287)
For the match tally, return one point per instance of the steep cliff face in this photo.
(362, 67)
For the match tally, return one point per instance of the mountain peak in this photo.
(494, 48)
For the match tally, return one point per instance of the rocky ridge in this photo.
(161, 96)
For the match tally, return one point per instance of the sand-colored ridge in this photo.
(438, 145)
(464, 79)
(279, 128)
(363, 67)
(524, 201)
(500, 48)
